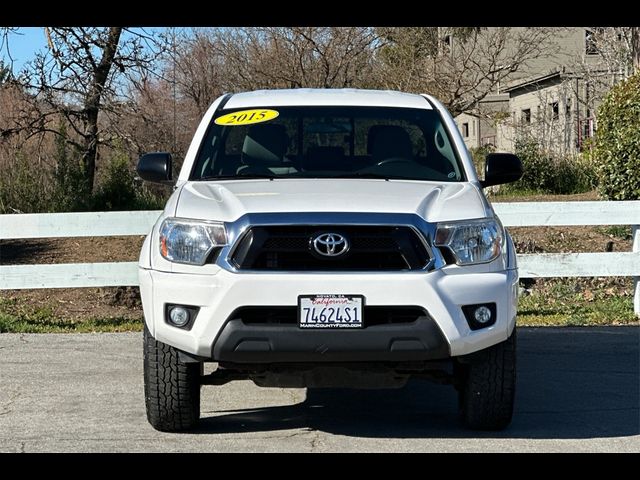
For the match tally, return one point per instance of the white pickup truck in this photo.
(328, 238)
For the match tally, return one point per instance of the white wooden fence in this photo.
(95, 224)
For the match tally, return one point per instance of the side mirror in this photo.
(501, 168)
(156, 167)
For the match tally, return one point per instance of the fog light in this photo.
(179, 316)
(482, 315)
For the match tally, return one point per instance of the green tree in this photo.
(70, 192)
(5, 73)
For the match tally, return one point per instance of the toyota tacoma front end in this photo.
(328, 238)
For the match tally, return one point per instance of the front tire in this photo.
(171, 387)
(487, 387)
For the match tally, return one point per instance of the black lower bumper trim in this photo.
(242, 343)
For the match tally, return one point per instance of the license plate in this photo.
(330, 311)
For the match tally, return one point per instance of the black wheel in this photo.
(171, 388)
(487, 387)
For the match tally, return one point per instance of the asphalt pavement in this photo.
(578, 390)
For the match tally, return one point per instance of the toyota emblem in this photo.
(330, 244)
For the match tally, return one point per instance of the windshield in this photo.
(328, 142)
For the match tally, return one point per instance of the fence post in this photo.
(635, 232)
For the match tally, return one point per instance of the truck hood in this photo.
(229, 200)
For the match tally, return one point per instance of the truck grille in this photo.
(371, 248)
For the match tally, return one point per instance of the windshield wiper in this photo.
(238, 177)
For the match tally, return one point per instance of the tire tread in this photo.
(488, 391)
(171, 388)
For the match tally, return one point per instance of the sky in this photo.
(23, 46)
(27, 41)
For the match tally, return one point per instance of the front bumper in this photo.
(417, 341)
(440, 293)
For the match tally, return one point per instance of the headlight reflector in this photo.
(476, 241)
(190, 241)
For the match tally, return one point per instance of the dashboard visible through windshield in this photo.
(328, 142)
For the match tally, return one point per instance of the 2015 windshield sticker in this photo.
(246, 117)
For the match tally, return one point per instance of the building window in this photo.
(567, 109)
(526, 116)
(554, 110)
(591, 41)
(465, 130)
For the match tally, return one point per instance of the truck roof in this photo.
(327, 97)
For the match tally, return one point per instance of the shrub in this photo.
(71, 192)
(547, 173)
(28, 187)
(479, 155)
(25, 187)
(617, 144)
(147, 200)
(116, 191)
(119, 191)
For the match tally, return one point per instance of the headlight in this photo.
(475, 241)
(190, 241)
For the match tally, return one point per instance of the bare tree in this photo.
(165, 107)
(611, 51)
(197, 65)
(610, 55)
(80, 79)
(635, 47)
(551, 125)
(460, 66)
(295, 57)
(5, 33)
(157, 119)
(201, 64)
